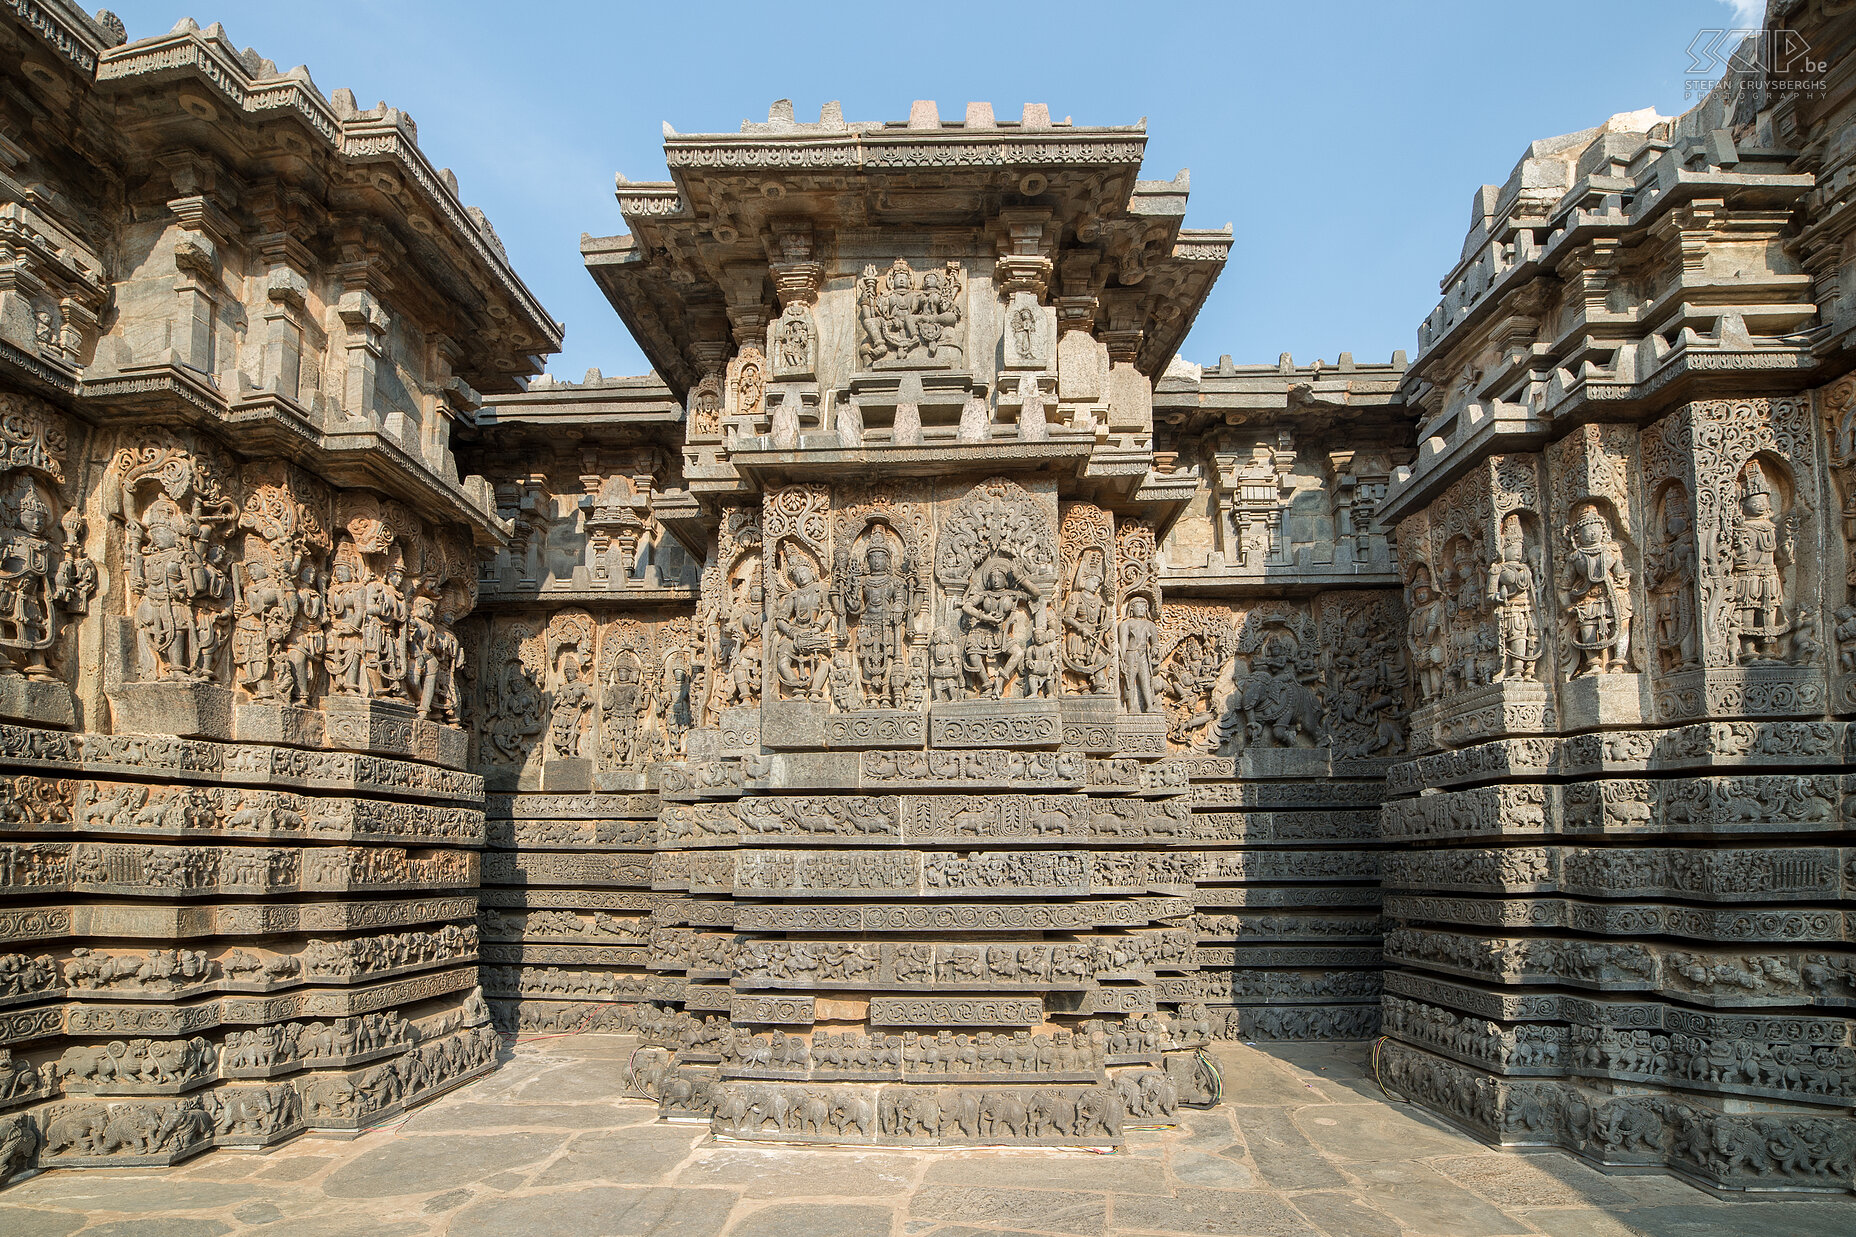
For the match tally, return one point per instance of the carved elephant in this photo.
(75, 1130)
(1002, 1115)
(812, 1112)
(964, 1115)
(180, 1125)
(1099, 1112)
(854, 1111)
(238, 1111)
(734, 1108)
(1159, 1095)
(1132, 1101)
(329, 1096)
(919, 1114)
(18, 1141)
(1048, 1113)
(134, 1129)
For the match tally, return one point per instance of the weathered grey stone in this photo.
(426, 1163)
(1213, 1211)
(1344, 1213)
(813, 1220)
(170, 1227)
(1056, 1211)
(34, 1222)
(923, 710)
(775, 1172)
(641, 1157)
(600, 1211)
(1422, 1199)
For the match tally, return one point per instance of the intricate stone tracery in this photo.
(781, 709)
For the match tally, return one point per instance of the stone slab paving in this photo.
(549, 1147)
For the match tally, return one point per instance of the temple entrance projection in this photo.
(995, 774)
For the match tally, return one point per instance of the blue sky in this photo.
(1341, 140)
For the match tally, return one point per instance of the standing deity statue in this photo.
(383, 634)
(944, 665)
(1760, 547)
(706, 410)
(624, 698)
(76, 580)
(802, 633)
(173, 570)
(1670, 568)
(1086, 622)
(842, 682)
(435, 656)
(347, 616)
(1025, 332)
(879, 598)
(28, 599)
(1597, 589)
(265, 610)
(572, 704)
(1140, 652)
(670, 707)
(738, 658)
(1514, 596)
(306, 652)
(997, 628)
(795, 339)
(1427, 634)
(1472, 645)
(1043, 656)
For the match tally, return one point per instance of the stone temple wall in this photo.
(239, 844)
(924, 709)
(1620, 883)
(1284, 683)
(581, 660)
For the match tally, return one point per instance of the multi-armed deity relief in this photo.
(263, 579)
(46, 575)
(905, 318)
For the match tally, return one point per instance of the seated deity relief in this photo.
(903, 317)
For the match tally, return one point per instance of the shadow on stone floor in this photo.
(1304, 1146)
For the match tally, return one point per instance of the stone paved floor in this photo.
(1304, 1147)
